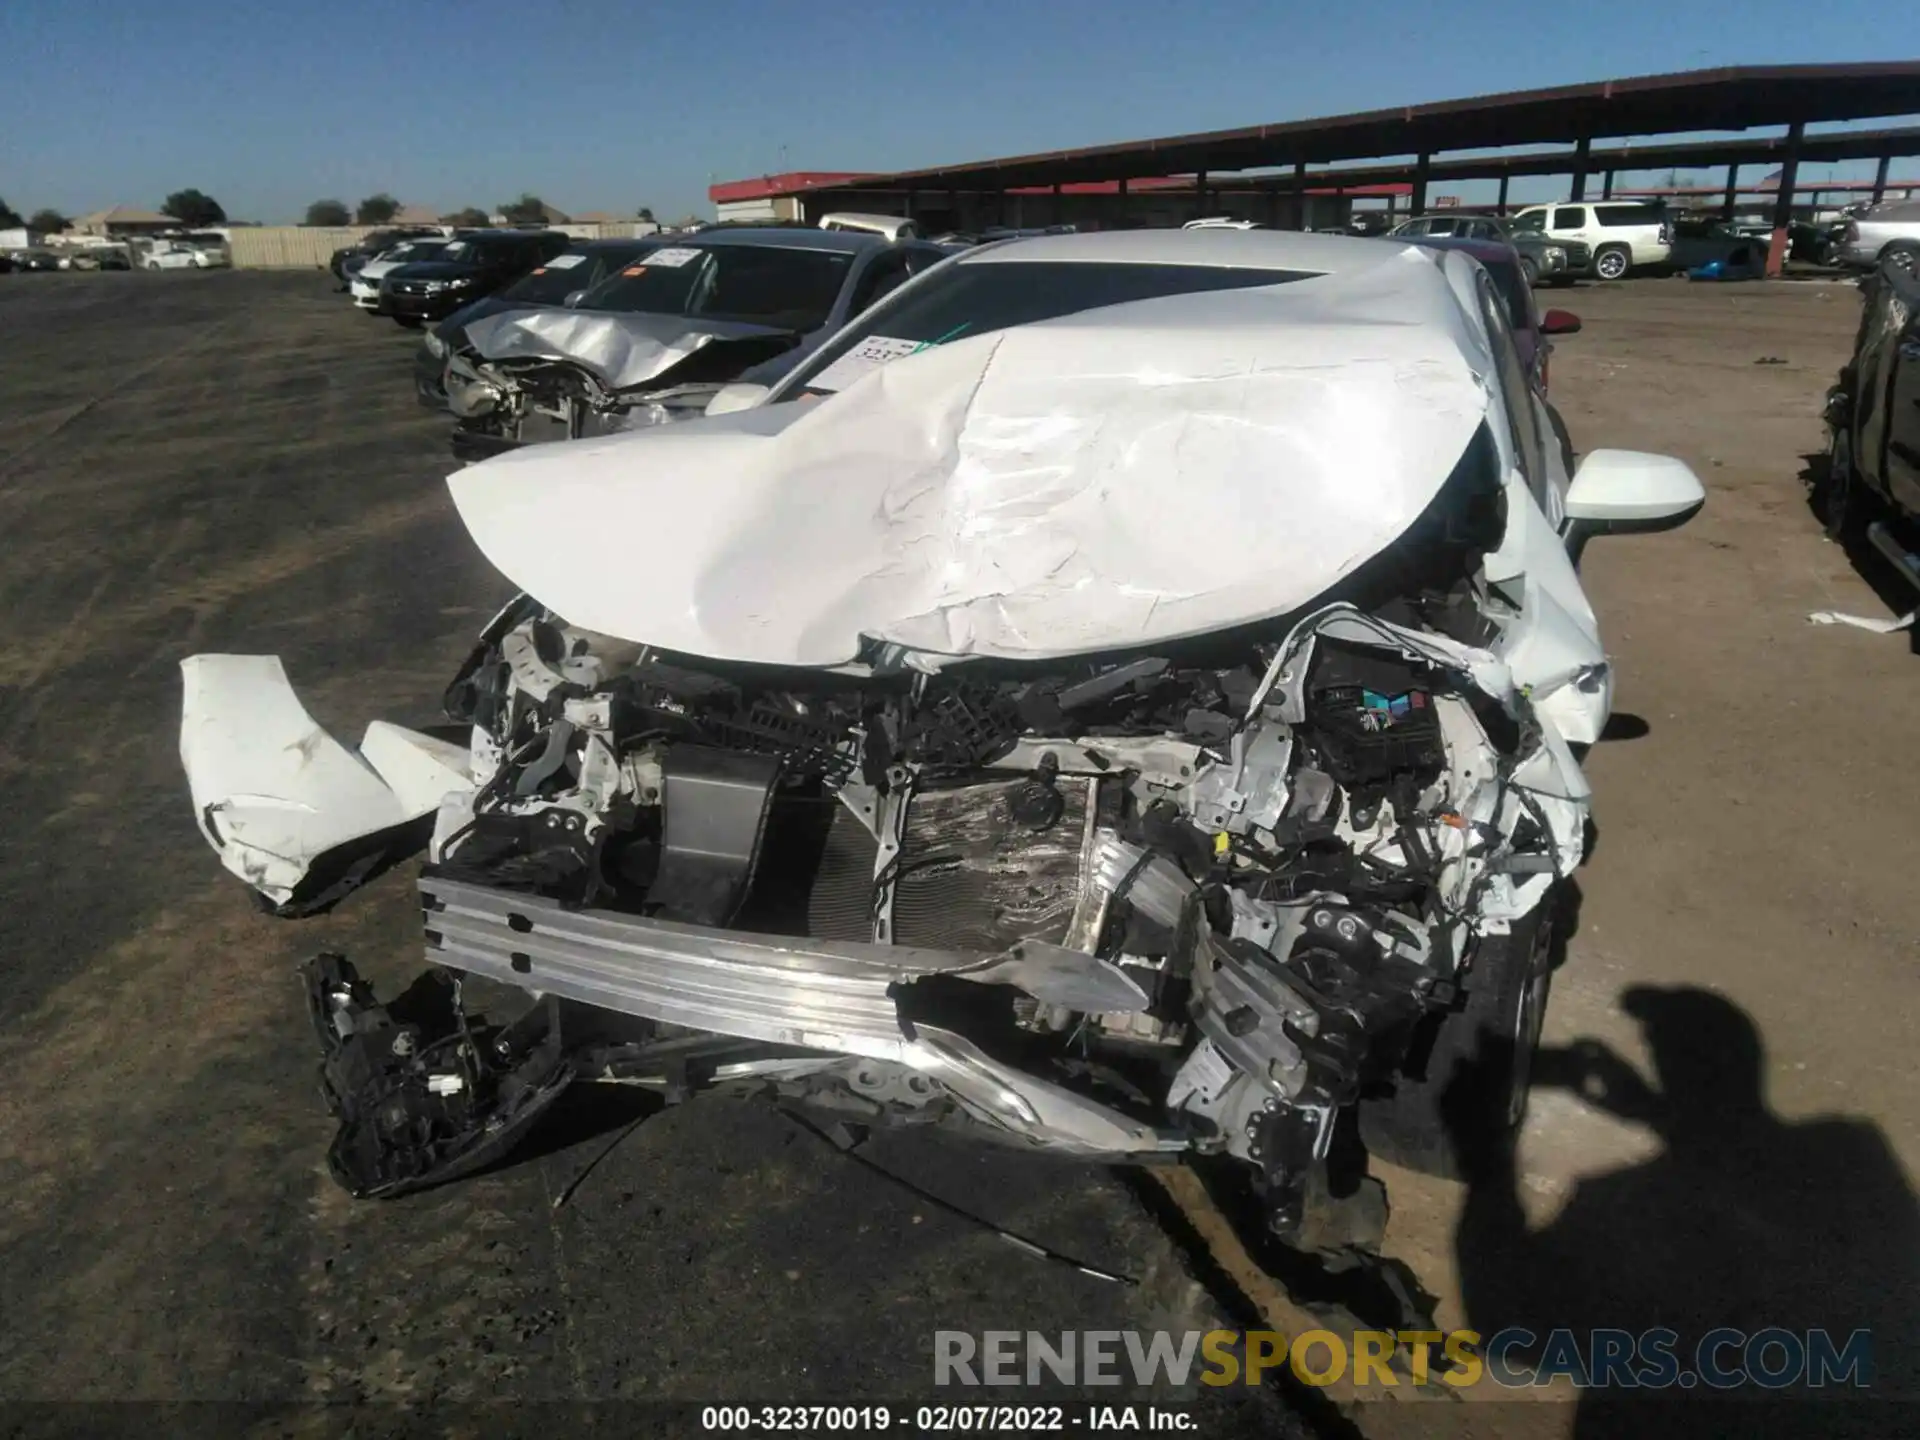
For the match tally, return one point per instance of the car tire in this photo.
(407, 322)
(1612, 262)
(153, 265)
(1904, 253)
(1529, 271)
(1505, 1002)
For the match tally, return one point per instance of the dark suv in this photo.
(466, 269)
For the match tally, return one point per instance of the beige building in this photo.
(123, 222)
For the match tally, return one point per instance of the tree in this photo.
(644, 213)
(471, 218)
(9, 217)
(527, 210)
(193, 209)
(328, 212)
(48, 222)
(376, 209)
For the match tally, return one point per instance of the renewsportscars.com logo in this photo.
(1726, 1359)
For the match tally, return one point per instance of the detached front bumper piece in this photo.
(289, 809)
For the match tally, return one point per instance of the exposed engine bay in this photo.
(1198, 900)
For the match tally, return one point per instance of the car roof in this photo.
(1243, 249)
(850, 242)
(1598, 204)
(1489, 251)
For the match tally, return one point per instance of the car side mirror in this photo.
(574, 297)
(1627, 492)
(739, 395)
(1559, 322)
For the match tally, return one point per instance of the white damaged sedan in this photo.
(1121, 697)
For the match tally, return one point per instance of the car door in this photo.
(1903, 406)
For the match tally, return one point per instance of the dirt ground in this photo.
(236, 462)
(207, 462)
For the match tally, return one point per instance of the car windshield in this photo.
(981, 297)
(475, 253)
(573, 270)
(1534, 220)
(407, 251)
(783, 286)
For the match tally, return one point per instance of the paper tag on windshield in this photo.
(869, 354)
(458, 247)
(564, 262)
(673, 257)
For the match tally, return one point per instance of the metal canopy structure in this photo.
(1767, 150)
(1737, 98)
(1720, 100)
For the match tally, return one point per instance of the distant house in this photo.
(600, 217)
(123, 221)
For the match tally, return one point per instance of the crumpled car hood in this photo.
(621, 348)
(1119, 477)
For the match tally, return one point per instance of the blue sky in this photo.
(597, 106)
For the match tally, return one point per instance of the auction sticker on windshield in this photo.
(563, 262)
(674, 256)
(870, 354)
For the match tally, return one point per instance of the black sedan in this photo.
(467, 269)
(576, 269)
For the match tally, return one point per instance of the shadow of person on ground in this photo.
(1743, 1220)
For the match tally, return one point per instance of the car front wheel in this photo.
(1506, 989)
(1529, 271)
(1613, 262)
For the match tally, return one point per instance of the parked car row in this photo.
(1118, 693)
(162, 254)
(414, 279)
